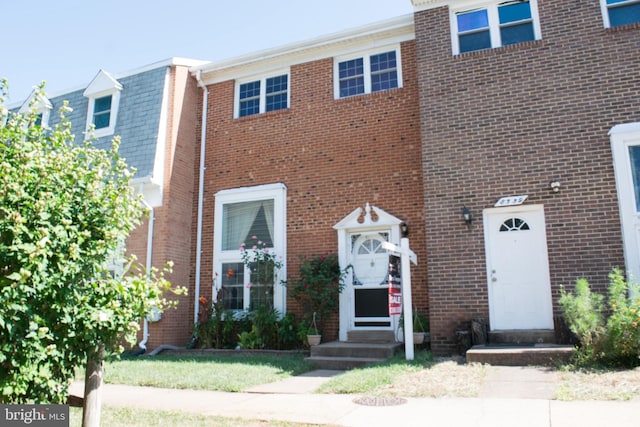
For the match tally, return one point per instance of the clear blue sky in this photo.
(65, 43)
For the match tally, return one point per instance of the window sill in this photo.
(499, 50)
(266, 114)
(626, 27)
(385, 92)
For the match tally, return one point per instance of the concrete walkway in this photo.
(511, 396)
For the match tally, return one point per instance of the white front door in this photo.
(625, 145)
(368, 283)
(518, 268)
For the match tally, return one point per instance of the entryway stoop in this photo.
(362, 348)
(520, 348)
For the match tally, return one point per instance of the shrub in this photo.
(616, 341)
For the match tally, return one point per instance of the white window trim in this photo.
(494, 21)
(276, 192)
(263, 90)
(605, 13)
(42, 106)
(113, 113)
(366, 56)
(103, 84)
(622, 137)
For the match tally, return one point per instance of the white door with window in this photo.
(625, 145)
(369, 281)
(364, 302)
(518, 268)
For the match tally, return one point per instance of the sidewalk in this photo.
(511, 396)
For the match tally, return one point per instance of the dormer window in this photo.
(620, 12)
(495, 25)
(104, 98)
(42, 107)
(102, 112)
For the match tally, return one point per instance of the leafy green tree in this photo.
(65, 210)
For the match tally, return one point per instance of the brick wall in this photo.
(333, 156)
(173, 222)
(509, 120)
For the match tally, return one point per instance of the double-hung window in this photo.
(262, 95)
(250, 222)
(374, 72)
(103, 94)
(495, 25)
(620, 12)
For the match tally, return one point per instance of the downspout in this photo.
(203, 146)
(145, 326)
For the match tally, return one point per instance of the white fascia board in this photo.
(387, 32)
(625, 128)
(419, 5)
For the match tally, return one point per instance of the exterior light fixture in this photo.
(467, 217)
(555, 186)
(404, 229)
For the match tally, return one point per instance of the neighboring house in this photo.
(504, 135)
(538, 98)
(153, 110)
(315, 149)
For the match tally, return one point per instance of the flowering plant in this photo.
(320, 282)
(263, 266)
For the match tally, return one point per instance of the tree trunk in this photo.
(92, 392)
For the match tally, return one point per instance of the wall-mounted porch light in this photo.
(404, 229)
(555, 186)
(467, 217)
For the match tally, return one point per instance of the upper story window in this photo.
(620, 12)
(260, 96)
(374, 72)
(104, 98)
(102, 112)
(40, 105)
(495, 25)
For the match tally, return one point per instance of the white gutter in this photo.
(145, 327)
(203, 146)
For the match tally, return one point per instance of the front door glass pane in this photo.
(634, 154)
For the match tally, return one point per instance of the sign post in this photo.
(406, 256)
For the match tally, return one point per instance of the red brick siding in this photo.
(173, 223)
(507, 121)
(333, 156)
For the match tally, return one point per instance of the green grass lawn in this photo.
(125, 417)
(218, 372)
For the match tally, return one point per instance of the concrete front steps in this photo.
(520, 348)
(362, 348)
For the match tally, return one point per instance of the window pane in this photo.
(475, 20)
(101, 120)
(277, 84)
(276, 102)
(250, 107)
(351, 87)
(475, 41)
(250, 90)
(102, 104)
(352, 68)
(384, 81)
(519, 11)
(383, 61)
(242, 220)
(277, 88)
(517, 33)
(233, 286)
(634, 154)
(622, 15)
